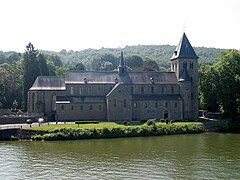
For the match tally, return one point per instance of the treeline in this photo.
(19, 70)
(219, 85)
(158, 53)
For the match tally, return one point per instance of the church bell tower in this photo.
(184, 62)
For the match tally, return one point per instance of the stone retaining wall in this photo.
(16, 120)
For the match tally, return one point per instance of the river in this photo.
(198, 156)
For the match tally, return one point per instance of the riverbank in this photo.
(106, 130)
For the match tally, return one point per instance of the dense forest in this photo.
(159, 53)
(19, 70)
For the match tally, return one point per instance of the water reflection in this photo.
(204, 156)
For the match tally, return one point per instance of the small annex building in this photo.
(121, 95)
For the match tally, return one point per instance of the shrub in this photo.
(151, 122)
(143, 121)
(86, 122)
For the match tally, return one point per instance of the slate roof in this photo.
(184, 49)
(92, 77)
(48, 83)
(185, 75)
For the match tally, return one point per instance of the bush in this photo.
(139, 131)
(151, 122)
(126, 123)
(86, 122)
(143, 121)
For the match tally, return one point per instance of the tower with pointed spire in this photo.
(122, 69)
(184, 63)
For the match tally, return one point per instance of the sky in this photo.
(81, 24)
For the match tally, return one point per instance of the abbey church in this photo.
(121, 95)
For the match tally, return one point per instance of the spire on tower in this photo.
(184, 49)
(122, 70)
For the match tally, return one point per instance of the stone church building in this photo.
(121, 95)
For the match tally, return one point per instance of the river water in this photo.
(199, 156)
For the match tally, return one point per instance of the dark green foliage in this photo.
(6, 88)
(44, 71)
(220, 83)
(31, 69)
(126, 123)
(78, 66)
(150, 65)
(158, 53)
(151, 122)
(152, 130)
(134, 61)
(86, 122)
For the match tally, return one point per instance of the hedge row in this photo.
(142, 131)
(86, 122)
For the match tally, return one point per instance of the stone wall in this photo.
(16, 120)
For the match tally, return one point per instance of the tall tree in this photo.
(6, 88)
(219, 84)
(31, 69)
(228, 84)
(44, 71)
(150, 65)
(133, 61)
(208, 97)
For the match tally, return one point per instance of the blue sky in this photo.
(81, 24)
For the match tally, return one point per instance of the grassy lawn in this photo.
(101, 125)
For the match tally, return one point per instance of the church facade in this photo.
(121, 95)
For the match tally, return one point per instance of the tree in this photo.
(31, 69)
(208, 98)
(56, 60)
(228, 82)
(44, 71)
(134, 61)
(150, 65)
(103, 62)
(219, 84)
(6, 88)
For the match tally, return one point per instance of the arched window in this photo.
(53, 101)
(166, 105)
(152, 90)
(191, 65)
(162, 90)
(124, 103)
(184, 65)
(89, 90)
(176, 105)
(33, 102)
(165, 115)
